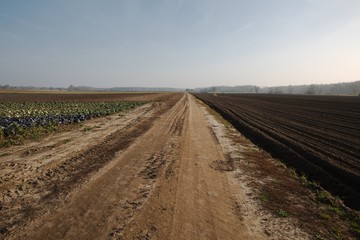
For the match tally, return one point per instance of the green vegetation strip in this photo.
(22, 120)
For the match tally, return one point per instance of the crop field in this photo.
(317, 135)
(27, 115)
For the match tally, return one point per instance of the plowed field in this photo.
(317, 135)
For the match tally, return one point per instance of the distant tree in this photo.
(290, 89)
(256, 89)
(311, 90)
(278, 91)
(337, 88)
(355, 88)
(319, 89)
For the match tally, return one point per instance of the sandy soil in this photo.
(160, 171)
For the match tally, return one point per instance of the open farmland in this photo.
(317, 135)
(18, 118)
(23, 116)
(169, 167)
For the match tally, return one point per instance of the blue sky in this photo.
(179, 43)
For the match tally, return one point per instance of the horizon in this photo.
(179, 44)
(173, 88)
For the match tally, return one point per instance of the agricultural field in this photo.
(158, 166)
(24, 116)
(317, 135)
(19, 120)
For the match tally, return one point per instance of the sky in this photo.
(178, 43)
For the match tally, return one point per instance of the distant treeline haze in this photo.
(346, 88)
(349, 88)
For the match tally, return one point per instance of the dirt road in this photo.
(195, 201)
(155, 173)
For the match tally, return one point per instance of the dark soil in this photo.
(317, 135)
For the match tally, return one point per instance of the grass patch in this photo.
(334, 206)
(306, 182)
(292, 173)
(335, 210)
(325, 216)
(323, 196)
(263, 198)
(87, 129)
(355, 226)
(319, 237)
(282, 213)
(303, 179)
(336, 233)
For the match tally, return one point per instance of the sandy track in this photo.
(204, 206)
(195, 201)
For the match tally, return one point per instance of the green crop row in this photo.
(20, 121)
(40, 109)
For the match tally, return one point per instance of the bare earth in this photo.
(157, 172)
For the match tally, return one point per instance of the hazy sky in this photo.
(179, 43)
